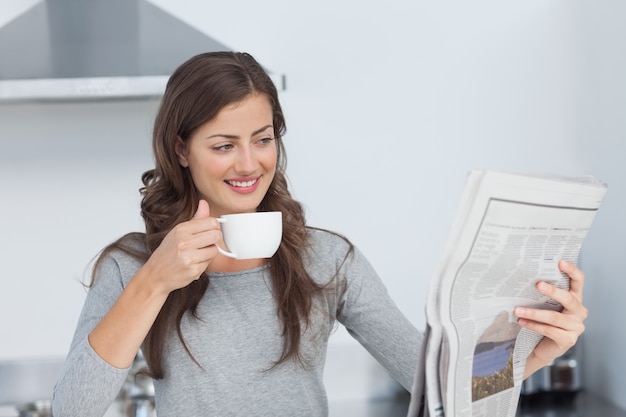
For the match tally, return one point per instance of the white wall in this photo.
(69, 175)
(599, 142)
(388, 105)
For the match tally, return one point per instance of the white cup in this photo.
(251, 235)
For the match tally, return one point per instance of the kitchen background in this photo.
(388, 105)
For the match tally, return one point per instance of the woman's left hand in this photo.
(560, 329)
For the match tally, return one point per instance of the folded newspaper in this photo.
(510, 231)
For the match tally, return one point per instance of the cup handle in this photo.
(226, 253)
(220, 250)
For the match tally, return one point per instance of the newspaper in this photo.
(509, 232)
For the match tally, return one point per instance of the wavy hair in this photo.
(195, 94)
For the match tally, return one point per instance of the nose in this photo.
(246, 161)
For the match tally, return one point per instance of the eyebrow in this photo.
(224, 135)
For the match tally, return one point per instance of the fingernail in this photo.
(520, 311)
(542, 286)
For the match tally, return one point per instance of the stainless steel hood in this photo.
(95, 49)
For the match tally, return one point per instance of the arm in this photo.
(373, 319)
(88, 385)
(560, 329)
(183, 255)
(117, 316)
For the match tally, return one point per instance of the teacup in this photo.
(251, 235)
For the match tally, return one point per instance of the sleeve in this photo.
(373, 319)
(88, 385)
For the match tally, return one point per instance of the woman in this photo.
(231, 337)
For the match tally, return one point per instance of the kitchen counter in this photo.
(539, 405)
(582, 405)
(375, 408)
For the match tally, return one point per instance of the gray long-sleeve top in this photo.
(238, 339)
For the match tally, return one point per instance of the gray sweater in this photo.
(238, 338)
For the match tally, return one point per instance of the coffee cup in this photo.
(251, 235)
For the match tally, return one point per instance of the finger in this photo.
(577, 277)
(539, 318)
(202, 221)
(193, 235)
(563, 338)
(203, 210)
(567, 299)
(194, 263)
(207, 238)
(204, 255)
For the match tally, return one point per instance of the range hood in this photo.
(95, 49)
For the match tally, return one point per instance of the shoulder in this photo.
(332, 251)
(328, 254)
(123, 257)
(328, 244)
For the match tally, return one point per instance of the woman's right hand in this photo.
(185, 252)
(181, 258)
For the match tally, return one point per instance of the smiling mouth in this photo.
(242, 184)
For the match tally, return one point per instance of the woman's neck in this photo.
(225, 264)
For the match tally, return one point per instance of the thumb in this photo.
(203, 210)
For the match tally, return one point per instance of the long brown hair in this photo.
(194, 95)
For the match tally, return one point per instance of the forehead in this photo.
(253, 105)
(251, 111)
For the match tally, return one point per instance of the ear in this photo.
(180, 148)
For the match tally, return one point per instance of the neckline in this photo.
(243, 272)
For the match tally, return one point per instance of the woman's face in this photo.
(232, 158)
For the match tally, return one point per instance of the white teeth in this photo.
(242, 184)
